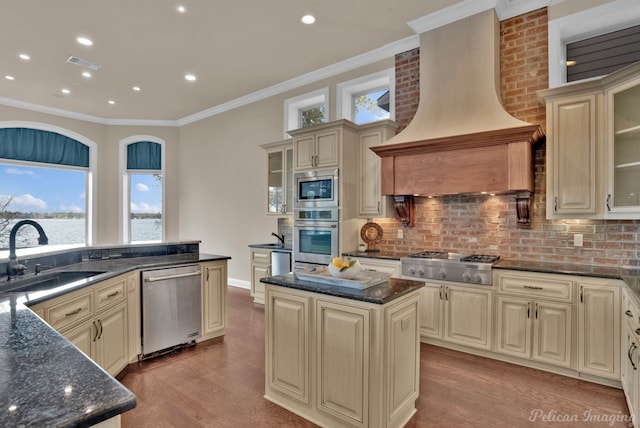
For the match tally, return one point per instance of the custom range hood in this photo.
(461, 140)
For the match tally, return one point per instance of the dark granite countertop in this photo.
(44, 379)
(630, 275)
(274, 247)
(378, 294)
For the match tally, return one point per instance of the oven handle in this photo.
(315, 224)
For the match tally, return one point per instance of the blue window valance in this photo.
(144, 155)
(36, 145)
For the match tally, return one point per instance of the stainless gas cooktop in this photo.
(473, 269)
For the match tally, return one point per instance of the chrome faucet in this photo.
(13, 267)
(280, 237)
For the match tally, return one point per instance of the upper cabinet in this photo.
(371, 201)
(593, 147)
(623, 133)
(279, 177)
(317, 148)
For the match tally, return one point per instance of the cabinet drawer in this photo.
(110, 294)
(71, 311)
(263, 257)
(549, 287)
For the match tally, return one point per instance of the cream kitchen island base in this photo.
(340, 362)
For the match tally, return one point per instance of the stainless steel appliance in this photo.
(280, 262)
(316, 188)
(171, 307)
(474, 269)
(315, 235)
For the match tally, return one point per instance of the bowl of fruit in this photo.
(345, 269)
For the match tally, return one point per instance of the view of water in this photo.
(72, 231)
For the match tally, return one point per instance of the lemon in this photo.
(337, 262)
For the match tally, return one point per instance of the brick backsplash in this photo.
(476, 224)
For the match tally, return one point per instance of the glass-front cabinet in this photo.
(279, 177)
(624, 148)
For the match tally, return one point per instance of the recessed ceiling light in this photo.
(24, 56)
(181, 9)
(65, 91)
(190, 77)
(84, 41)
(308, 19)
(86, 74)
(9, 77)
(111, 102)
(136, 88)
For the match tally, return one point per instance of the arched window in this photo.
(142, 179)
(46, 174)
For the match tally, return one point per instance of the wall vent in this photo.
(83, 62)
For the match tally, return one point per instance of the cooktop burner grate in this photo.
(480, 258)
(430, 255)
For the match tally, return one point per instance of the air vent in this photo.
(83, 62)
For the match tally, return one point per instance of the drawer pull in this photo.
(114, 294)
(632, 348)
(74, 312)
(628, 313)
(533, 287)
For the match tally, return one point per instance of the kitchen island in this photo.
(343, 357)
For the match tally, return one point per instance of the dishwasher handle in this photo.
(164, 278)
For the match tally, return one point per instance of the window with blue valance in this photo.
(36, 145)
(144, 155)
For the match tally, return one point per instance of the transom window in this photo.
(368, 98)
(306, 110)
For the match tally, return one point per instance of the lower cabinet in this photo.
(340, 362)
(104, 339)
(214, 299)
(457, 314)
(391, 267)
(599, 329)
(260, 268)
(536, 330)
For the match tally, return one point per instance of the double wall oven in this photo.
(316, 216)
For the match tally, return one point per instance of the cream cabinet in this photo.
(599, 328)
(340, 362)
(593, 159)
(630, 353)
(214, 299)
(371, 201)
(457, 314)
(280, 187)
(95, 320)
(317, 148)
(535, 314)
(260, 268)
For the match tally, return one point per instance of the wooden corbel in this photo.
(523, 209)
(405, 208)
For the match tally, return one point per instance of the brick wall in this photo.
(487, 224)
(407, 86)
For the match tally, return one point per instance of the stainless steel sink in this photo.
(47, 282)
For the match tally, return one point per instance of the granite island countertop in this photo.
(44, 379)
(378, 294)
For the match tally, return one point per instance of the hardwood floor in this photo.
(221, 384)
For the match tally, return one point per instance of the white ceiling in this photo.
(235, 48)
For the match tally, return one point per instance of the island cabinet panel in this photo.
(341, 362)
(343, 338)
(214, 299)
(288, 352)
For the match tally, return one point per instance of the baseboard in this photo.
(240, 283)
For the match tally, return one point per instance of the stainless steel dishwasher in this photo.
(280, 262)
(171, 308)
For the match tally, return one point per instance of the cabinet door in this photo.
(468, 316)
(571, 148)
(260, 268)
(514, 326)
(83, 336)
(214, 297)
(599, 330)
(112, 343)
(288, 354)
(629, 369)
(343, 361)
(369, 191)
(431, 310)
(327, 148)
(552, 333)
(304, 151)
